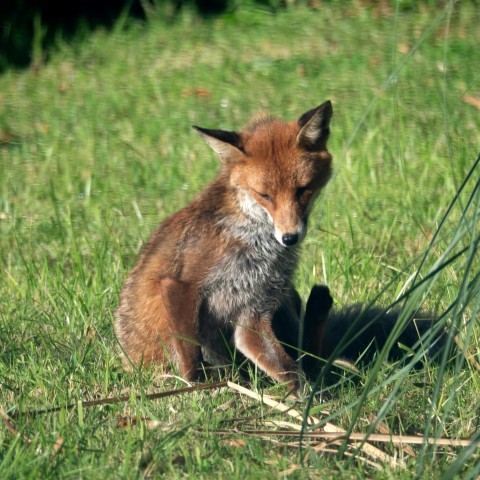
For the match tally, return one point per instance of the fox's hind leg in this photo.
(157, 320)
(286, 323)
(141, 324)
(181, 304)
(318, 307)
(289, 328)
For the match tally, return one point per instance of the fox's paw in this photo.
(320, 301)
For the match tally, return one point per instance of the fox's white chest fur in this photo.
(254, 274)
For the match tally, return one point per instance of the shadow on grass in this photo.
(31, 28)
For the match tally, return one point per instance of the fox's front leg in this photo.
(254, 337)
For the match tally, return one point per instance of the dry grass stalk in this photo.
(328, 427)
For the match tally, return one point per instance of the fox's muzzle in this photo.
(290, 239)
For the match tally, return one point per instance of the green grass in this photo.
(100, 150)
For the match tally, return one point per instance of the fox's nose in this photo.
(289, 239)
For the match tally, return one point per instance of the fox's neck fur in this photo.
(255, 270)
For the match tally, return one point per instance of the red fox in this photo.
(217, 274)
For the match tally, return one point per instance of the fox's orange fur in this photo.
(217, 274)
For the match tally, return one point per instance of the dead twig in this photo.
(8, 422)
(124, 398)
(10, 425)
(332, 437)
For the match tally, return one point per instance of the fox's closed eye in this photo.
(265, 196)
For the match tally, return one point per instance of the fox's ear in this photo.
(227, 145)
(315, 127)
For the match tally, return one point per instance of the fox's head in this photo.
(277, 168)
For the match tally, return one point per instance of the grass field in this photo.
(97, 147)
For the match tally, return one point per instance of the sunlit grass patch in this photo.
(96, 148)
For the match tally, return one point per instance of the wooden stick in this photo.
(125, 398)
(374, 437)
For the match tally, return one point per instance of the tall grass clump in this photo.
(452, 337)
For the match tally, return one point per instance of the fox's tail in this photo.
(357, 333)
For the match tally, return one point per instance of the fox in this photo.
(216, 276)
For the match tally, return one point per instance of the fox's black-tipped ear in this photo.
(315, 127)
(226, 144)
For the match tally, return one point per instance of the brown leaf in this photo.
(234, 442)
(58, 444)
(197, 92)
(147, 422)
(7, 137)
(178, 460)
(8, 422)
(473, 101)
(301, 71)
(42, 127)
